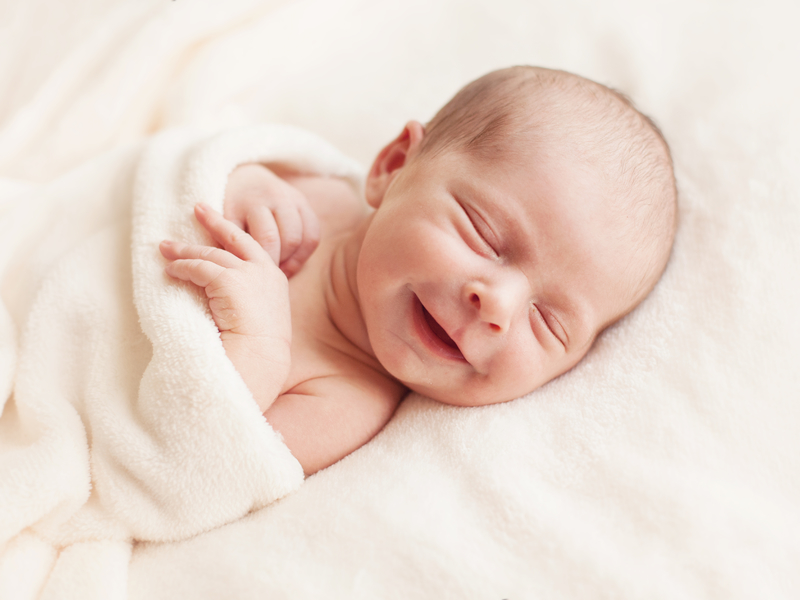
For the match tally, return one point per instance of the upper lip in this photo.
(444, 328)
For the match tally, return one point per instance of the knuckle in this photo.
(206, 252)
(234, 237)
(297, 197)
(270, 237)
(238, 238)
(292, 238)
(288, 195)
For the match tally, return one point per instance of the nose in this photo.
(496, 302)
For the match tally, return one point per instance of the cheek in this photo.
(524, 364)
(409, 249)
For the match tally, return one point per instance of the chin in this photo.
(454, 397)
(471, 394)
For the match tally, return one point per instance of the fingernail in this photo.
(201, 206)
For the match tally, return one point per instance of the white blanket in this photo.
(126, 420)
(666, 465)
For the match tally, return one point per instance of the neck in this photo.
(341, 289)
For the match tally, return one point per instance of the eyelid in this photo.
(549, 327)
(481, 234)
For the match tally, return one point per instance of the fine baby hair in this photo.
(600, 125)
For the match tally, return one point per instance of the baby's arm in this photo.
(325, 419)
(249, 300)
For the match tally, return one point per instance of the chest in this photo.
(312, 332)
(319, 349)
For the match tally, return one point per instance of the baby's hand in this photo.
(249, 300)
(276, 214)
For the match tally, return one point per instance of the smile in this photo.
(433, 334)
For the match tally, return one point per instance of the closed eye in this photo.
(538, 316)
(480, 228)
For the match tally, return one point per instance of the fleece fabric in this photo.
(666, 465)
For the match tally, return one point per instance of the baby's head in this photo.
(533, 211)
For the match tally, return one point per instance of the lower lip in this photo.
(430, 339)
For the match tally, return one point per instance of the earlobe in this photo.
(394, 156)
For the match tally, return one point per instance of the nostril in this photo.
(494, 327)
(475, 299)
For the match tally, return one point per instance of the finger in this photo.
(243, 184)
(262, 226)
(227, 234)
(177, 250)
(311, 234)
(199, 272)
(290, 225)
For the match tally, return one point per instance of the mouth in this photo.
(434, 335)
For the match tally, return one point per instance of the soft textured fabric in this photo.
(666, 465)
(127, 422)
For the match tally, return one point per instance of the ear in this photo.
(391, 159)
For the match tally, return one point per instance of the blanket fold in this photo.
(127, 421)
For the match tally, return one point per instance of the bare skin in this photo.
(472, 283)
(336, 397)
(326, 396)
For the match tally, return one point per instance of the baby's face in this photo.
(479, 282)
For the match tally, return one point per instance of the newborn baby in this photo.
(533, 211)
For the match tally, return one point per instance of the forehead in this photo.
(553, 217)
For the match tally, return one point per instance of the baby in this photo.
(533, 211)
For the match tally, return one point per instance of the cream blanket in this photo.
(666, 465)
(126, 420)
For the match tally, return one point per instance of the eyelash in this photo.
(495, 253)
(480, 235)
(540, 316)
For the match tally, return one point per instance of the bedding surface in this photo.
(667, 464)
(126, 422)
